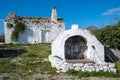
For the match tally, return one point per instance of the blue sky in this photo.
(82, 12)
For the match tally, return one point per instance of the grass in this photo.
(118, 65)
(32, 50)
(27, 63)
(92, 74)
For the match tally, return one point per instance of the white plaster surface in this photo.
(42, 32)
(57, 58)
(96, 55)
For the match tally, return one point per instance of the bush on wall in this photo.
(19, 28)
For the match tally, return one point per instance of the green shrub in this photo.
(109, 35)
(15, 36)
(19, 27)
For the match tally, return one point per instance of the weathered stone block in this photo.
(78, 64)
(111, 65)
(97, 69)
(113, 70)
(77, 68)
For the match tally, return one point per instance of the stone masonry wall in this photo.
(36, 32)
(63, 66)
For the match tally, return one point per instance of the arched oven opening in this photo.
(75, 47)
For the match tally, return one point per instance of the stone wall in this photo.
(36, 32)
(63, 66)
(8, 32)
(38, 29)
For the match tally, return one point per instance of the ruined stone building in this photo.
(37, 29)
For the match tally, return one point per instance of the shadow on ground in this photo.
(6, 52)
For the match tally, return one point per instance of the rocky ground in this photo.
(60, 76)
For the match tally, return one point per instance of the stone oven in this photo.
(77, 44)
(76, 48)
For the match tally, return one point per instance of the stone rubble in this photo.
(63, 66)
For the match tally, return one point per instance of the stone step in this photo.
(80, 61)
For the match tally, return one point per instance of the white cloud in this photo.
(112, 11)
